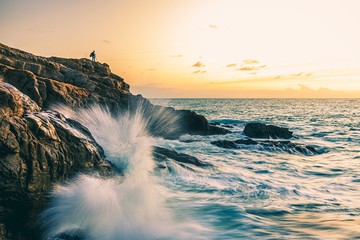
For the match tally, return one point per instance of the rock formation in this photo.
(83, 83)
(39, 146)
(260, 130)
(163, 154)
(269, 145)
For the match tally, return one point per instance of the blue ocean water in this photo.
(251, 192)
(271, 193)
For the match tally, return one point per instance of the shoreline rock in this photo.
(260, 130)
(37, 149)
(80, 83)
(40, 147)
(272, 145)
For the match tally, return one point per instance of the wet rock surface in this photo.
(37, 149)
(260, 130)
(163, 154)
(269, 145)
(82, 83)
(40, 147)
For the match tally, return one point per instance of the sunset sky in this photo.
(201, 48)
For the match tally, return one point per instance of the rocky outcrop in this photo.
(269, 145)
(83, 83)
(163, 154)
(40, 146)
(37, 149)
(260, 130)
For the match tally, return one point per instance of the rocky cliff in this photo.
(40, 146)
(83, 83)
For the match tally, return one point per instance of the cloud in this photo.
(198, 71)
(150, 69)
(199, 65)
(301, 74)
(231, 65)
(250, 61)
(177, 56)
(214, 27)
(106, 41)
(251, 68)
(297, 74)
(246, 69)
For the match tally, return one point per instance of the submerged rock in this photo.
(260, 130)
(225, 144)
(269, 145)
(161, 154)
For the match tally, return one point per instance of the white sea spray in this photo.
(132, 206)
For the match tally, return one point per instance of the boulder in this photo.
(260, 130)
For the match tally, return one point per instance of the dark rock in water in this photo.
(225, 144)
(82, 83)
(290, 147)
(246, 141)
(73, 235)
(37, 149)
(161, 154)
(282, 146)
(233, 144)
(260, 130)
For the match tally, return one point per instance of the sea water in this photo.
(252, 192)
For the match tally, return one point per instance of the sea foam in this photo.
(132, 206)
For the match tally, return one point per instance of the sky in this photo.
(201, 48)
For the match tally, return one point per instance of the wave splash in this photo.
(132, 206)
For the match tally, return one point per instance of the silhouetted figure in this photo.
(93, 56)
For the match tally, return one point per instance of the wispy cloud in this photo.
(199, 71)
(301, 74)
(106, 41)
(250, 61)
(199, 65)
(214, 27)
(297, 74)
(251, 68)
(231, 65)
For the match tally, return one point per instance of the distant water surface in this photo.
(259, 193)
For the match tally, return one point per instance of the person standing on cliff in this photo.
(93, 56)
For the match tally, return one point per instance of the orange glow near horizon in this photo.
(201, 48)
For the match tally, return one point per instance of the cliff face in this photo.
(47, 81)
(39, 146)
(82, 83)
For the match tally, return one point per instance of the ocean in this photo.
(251, 192)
